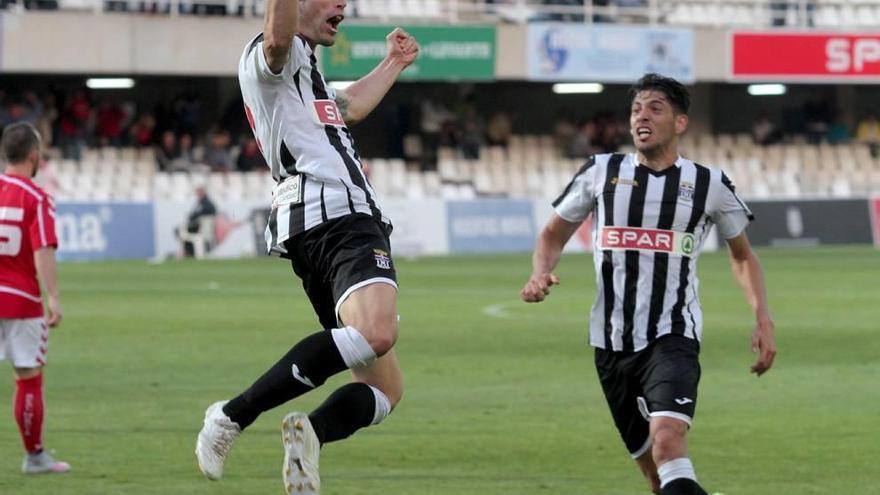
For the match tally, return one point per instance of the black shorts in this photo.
(660, 380)
(338, 257)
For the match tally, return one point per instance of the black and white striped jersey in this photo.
(310, 151)
(648, 230)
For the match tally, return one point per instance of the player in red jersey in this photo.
(27, 249)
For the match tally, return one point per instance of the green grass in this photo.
(495, 405)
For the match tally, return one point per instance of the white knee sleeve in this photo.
(383, 406)
(354, 348)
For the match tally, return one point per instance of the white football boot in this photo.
(215, 440)
(301, 452)
(43, 463)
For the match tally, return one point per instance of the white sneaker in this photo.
(43, 463)
(301, 451)
(215, 440)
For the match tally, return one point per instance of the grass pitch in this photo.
(501, 398)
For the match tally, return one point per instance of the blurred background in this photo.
(140, 106)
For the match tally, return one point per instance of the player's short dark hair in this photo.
(676, 92)
(18, 141)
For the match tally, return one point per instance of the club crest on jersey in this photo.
(624, 181)
(686, 191)
(639, 239)
(383, 260)
(327, 113)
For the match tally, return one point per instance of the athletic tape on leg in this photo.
(354, 348)
(383, 406)
(675, 469)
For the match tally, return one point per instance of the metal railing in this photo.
(720, 13)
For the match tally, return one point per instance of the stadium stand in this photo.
(738, 13)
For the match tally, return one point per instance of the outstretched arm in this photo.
(280, 27)
(359, 99)
(748, 273)
(545, 258)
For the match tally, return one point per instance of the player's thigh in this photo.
(371, 309)
(621, 389)
(671, 378)
(383, 373)
(25, 343)
(364, 278)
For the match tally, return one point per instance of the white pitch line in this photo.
(497, 310)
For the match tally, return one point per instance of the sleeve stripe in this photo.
(584, 168)
(729, 185)
(43, 240)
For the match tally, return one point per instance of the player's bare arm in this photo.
(280, 27)
(361, 98)
(548, 250)
(748, 273)
(47, 270)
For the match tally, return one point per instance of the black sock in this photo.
(348, 409)
(682, 486)
(316, 358)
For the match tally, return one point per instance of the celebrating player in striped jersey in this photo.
(27, 251)
(325, 218)
(652, 212)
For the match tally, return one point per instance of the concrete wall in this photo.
(116, 43)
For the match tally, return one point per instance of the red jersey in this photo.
(27, 224)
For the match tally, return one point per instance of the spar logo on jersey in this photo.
(654, 240)
(327, 113)
(383, 260)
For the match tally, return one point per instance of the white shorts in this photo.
(24, 342)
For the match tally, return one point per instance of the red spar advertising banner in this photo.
(805, 56)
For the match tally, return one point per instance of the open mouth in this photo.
(643, 132)
(334, 22)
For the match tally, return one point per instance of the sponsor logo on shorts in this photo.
(683, 401)
(639, 239)
(383, 260)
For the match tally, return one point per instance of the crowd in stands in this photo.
(818, 123)
(177, 133)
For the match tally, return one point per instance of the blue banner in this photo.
(595, 53)
(98, 231)
(490, 226)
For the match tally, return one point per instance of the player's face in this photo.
(320, 19)
(653, 121)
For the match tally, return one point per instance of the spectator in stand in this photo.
(218, 154)
(27, 109)
(185, 151)
(141, 132)
(46, 121)
(564, 132)
(110, 120)
(838, 131)
(472, 131)
(188, 114)
(166, 151)
(585, 142)
(764, 131)
(74, 124)
(499, 129)
(868, 133)
(250, 157)
(434, 116)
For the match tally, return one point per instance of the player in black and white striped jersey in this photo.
(652, 212)
(325, 218)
